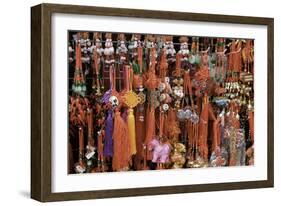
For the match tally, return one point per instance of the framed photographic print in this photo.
(130, 102)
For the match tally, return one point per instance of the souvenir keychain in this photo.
(170, 50)
(80, 166)
(151, 83)
(163, 64)
(184, 52)
(90, 146)
(97, 53)
(78, 86)
(131, 100)
(220, 66)
(100, 149)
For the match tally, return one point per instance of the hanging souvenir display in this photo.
(148, 102)
(78, 85)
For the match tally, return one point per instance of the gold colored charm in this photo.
(141, 97)
(131, 99)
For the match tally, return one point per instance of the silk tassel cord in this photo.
(163, 64)
(251, 124)
(140, 58)
(215, 128)
(151, 84)
(131, 117)
(203, 129)
(121, 148)
(96, 65)
(81, 145)
(100, 144)
(90, 126)
(140, 121)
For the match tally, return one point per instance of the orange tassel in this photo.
(121, 146)
(140, 58)
(100, 144)
(81, 145)
(163, 64)
(251, 124)
(203, 130)
(150, 129)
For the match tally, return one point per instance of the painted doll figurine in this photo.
(97, 51)
(86, 44)
(170, 50)
(109, 49)
(122, 50)
(184, 51)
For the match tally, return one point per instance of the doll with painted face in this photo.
(170, 50)
(97, 45)
(97, 51)
(165, 90)
(135, 42)
(122, 50)
(109, 50)
(184, 51)
(150, 45)
(86, 44)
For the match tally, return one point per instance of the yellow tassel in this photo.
(132, 131)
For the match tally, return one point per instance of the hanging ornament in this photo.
(78, 86)
(122, 50)
(108, 141)
(109, 50)
(80, 166)
(97, 52)
(131, 99)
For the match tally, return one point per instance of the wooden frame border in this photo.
(41, 101)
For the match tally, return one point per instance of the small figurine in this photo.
(122, 50)
(109, 49)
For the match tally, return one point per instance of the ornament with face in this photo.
(170, 50)
(122, 50)
(114, 101)
(184, 51)
(135, 42)
(97, 43)
(85, 44)
(109, 49)
(97, 52)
